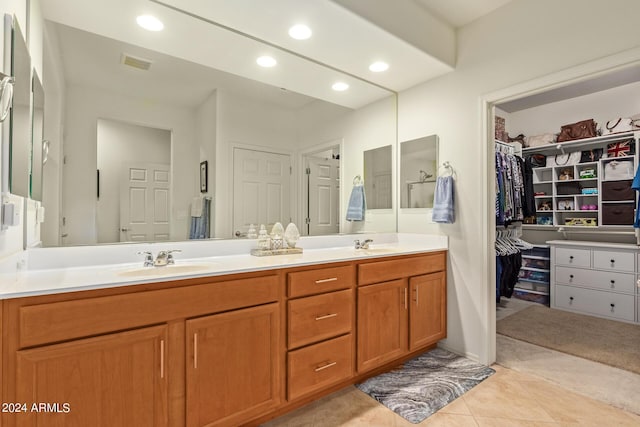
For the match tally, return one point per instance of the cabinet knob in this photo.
(613, 261)
(571, 257)
(570, 300)
(571, 276)
(613, 306)
(613, 283)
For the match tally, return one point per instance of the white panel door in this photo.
(144, 203)
(324, 196)
(261, 189)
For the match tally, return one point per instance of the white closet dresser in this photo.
(599, 279)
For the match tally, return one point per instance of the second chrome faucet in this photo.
(163, 258)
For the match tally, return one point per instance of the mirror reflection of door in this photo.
(322, 193)
(144, 203)
(261, 189)
(134, 182)
(378, 178)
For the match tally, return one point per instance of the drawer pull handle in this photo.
(195, 351)
(161, 358)
(613, 261)
(331, 279)
(323, 367)
(326, 316)
(571, 257)
(571, 276)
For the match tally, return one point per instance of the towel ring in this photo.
(357, 180)
(448, 168)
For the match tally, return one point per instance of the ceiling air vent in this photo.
(135, 62)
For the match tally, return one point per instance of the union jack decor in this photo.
(621, 149)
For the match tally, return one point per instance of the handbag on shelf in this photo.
(567, 159)
(579, 130)
(619, 169)
(621, 124)
(537, 160)
(540, 140)
(621, 149)
(592, 155)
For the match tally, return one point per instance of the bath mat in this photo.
(425, 384)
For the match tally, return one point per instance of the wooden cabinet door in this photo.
(233, 366)
(382, 323)
(428, 310)
(112, 380)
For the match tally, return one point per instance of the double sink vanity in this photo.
(222, 340)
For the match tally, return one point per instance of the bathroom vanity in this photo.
(225, 347)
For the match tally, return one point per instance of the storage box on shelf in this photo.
(594, 278)
(533, 278)
(590, 194)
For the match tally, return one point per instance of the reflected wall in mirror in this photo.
(239, 126)
(20, 123)
(378, 187)
(37, 139)
(418, 172)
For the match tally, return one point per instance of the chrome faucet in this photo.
(363, 245)
(165, 258)
(148, 258)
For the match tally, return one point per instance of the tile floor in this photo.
(513, 397)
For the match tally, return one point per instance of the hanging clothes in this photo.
(510, 189)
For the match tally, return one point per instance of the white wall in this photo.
(622, 101)
(502, 49)
(119, 144)
(206, 137)
(84, 107)
(245, 122)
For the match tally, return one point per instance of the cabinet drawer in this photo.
(383, 271)
(608, 260)
(313, 319)
(573, 257)
(606, 280)
(600, 303)
(320, 365)
(320, 280)
(64, 320)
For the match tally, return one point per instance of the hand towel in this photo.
(443, 208)
(357, 204)
(196, 207)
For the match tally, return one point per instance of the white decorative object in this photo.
(291, 235)
(264, 241)
(277, 230)
(252, 233)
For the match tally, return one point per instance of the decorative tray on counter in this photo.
(283, 251)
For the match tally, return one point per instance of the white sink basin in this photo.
(166, 270)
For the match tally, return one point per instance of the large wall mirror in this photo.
(418, 172)
(141, 114)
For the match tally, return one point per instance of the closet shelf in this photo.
(578, 144)
(544, 270)
(529, 291)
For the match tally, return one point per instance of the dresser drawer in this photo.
(316, 318)
(573, 257)
(600, 303)
(606, 280)
(320, 365)
(320, 280)
(384, 271)
(609, 260)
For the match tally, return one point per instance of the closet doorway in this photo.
(321, 192)
(591, 93)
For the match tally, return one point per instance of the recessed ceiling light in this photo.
(340, 86)
(379, 66)
(266, 61)
(150, 23)
(300, 32)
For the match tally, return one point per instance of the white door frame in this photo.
(302, 191)
(562, 78)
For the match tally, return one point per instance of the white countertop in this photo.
(46, 276)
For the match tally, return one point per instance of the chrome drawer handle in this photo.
(331, 279)
(323, 367)
(326, 316)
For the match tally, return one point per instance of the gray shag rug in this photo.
(606, 341)
(425, 384)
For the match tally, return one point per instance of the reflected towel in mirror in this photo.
(200, 228)
(357, 204)
(443, 207)
(196, 206)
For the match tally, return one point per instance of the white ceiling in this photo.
(459, 13)
(213, 34)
